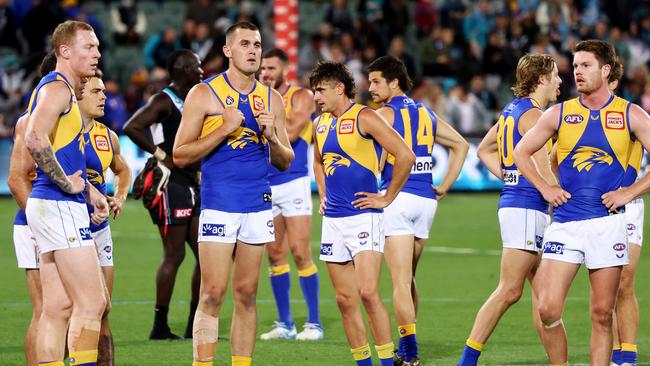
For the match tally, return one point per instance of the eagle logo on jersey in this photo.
(333, 161)
(586, 157)
(94, 177)
(240, 138)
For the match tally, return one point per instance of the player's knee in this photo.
(626, 287)
(175, 257)
(303, 259)
(510, 295)
(346, 301)
(245, 295)
(93, 309)
(601, 315)
(369, 296)
(60, 308)
(549, 314)
(212, 296)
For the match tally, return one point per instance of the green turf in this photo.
(452, 288)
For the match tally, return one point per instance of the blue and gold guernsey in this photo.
(417, 125)
(517, 191)
(298, 167)
(99, 155)
(235, 175)
(593, 149)
(67, 140)
(350, 161)
(634, 164)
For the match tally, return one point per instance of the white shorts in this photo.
(598, 243)
(26, 250)
(292, 198)
(228, 227)
(634, 218)
(522, 228)
(104, 244)
(58, 225)
(343, 237)
(409, 214)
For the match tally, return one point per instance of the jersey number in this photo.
(506, 140)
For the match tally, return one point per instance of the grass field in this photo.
(458, 270)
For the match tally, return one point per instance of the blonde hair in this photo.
(66, 31)
(529, 68)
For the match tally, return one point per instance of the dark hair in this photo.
(392, 68)
(65, 32)
(48, 64)
(604, 52)
(529, 68)
(176, 63)
(333, 71)
(617, 72)
(240, 25)
(276, 52)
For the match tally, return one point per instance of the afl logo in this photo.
(573, 119)
(321, 129)
(619, 247)
(230, 100)
(363, 235)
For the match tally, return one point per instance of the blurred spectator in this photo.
(202, 44)
(550, 10)
(14, 84)
(115, 113)
(466, 113)
(159, 46)
(425, 17)
(397, 49)
(477, 88)
(438, 54)
(338, 16)
(246, 13)
(497, 58)
(202, 11)
(41, 21)
(645, 98)
(189, 32)
(8, 27)
(315, 51)
(432, 95)
(396, 17)
(129, 23)
(477, 25)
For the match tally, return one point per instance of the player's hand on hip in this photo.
(115, 205)
(77, 183)
(233, 118)
(615, 199)
(266, 121)
(369, 200)
(555, 195)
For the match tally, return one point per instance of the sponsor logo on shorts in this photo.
(297, 201)
(108, 249)
(553, 247)
(363, 235)
(85, 234)
(321, 129)
(213, 230)
(573, 119)
(181, 213)
(614, 120)
(538, 241)
(630, 229)
(269, 223)
(72, 239)
(326, 248)
(230, 100)
(258, 103)
(346, 126)
(620, 249)
(101, 142)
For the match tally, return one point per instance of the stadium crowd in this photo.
(461, 52)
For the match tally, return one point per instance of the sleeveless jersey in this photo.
(417, 125)
(517, 190)
(593, 148)
(99, 155)
(298, 167)
(67, 141)
(166, 130)
(20, 218)
(235, 175)
(634, 164)
(350, 161)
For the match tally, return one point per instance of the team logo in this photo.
(101, 142)
(94, 177)
(402, 331)
(321, 129)
(181, 213)
(586, 157)
(573, 119)
(333, 161)
(230, 100)
(108, 249)
(85, 234)
(244, 136)
(630, 229)
(72, 239)
(213, 230)
(346, 126)
(258, 103)
(553, 247)
(326, 248)
(614, 120)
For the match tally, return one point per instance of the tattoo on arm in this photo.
(47, 162)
